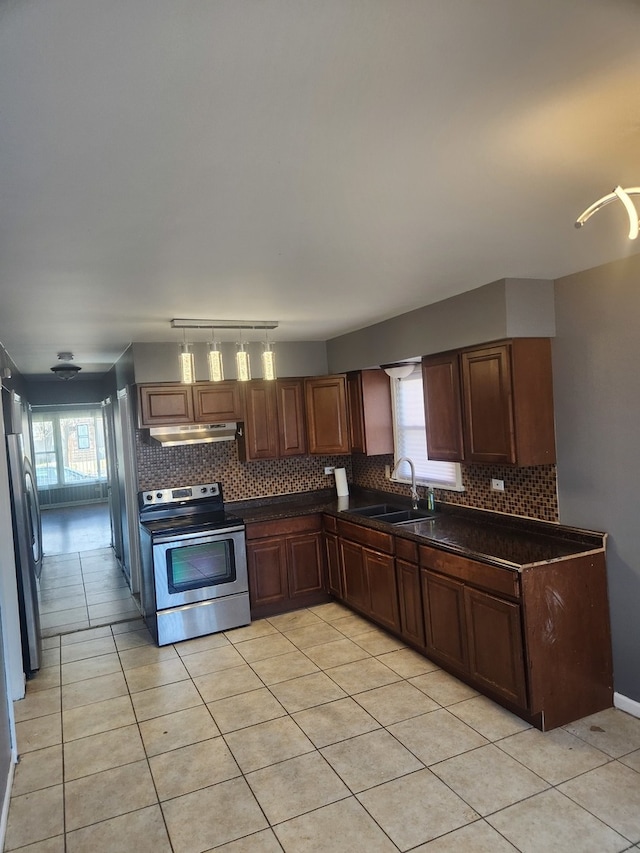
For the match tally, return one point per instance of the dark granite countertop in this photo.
(504, 540)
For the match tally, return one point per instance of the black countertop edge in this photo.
(571, 541)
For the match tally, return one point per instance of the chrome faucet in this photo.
(414, 491)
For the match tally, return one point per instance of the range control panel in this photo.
(180, 495)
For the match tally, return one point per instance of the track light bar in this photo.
(224, 324)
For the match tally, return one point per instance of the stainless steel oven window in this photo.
(197, 566)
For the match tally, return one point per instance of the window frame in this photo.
(429, 473)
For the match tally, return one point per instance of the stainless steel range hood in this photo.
(173, 436)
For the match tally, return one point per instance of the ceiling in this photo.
(324, 163)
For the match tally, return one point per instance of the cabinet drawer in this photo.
(492, 578)
(406, 549)
(330, 524)
(375, 539)
(283, 526)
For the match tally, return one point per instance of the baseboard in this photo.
(625, 704)
(5, 805)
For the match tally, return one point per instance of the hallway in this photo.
(82, 584)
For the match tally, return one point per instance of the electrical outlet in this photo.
(387, 472)
(497, 485)
(329, 469)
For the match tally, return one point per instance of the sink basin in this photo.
(376, 510)
(404, 516)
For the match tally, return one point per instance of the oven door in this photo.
(199, 566)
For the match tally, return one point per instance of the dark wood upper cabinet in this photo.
(216, 402)
(491, 404)
(443, 407)
(259, 438)
(165, 404)
(488, 405)
(292, 436)
(327, 419)
(369, 394)
(274, 423)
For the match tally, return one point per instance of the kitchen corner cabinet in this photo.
(491, 404)
(327, 418)
(285, 560)
(274, 423)
(371, 421)
(368, 573)
(171, 404)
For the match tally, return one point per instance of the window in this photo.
(69, 447)
(410, 437)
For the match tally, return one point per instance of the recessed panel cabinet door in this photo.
(334, 573)
(410, 599)
(217, 402)
(292, 439)
(162, 405)
(260, 440)
(496, 656)
(327, 421)
(489, 427)
(444, 617)
(267, 566)
(443, 407)
(383, 590)
(305, 564)
(354, 576)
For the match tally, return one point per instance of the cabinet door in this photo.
(370, 413)
(410, 601)
(442, 406)
(444, 618)
(304, 557)
(292, 439)
(383, 590)
(489, 430)
(216, 402)
(267, 566)
(162, 405)
(326, 408)
(496, 656)
(334, 574)
(354, 576)
(260, 437)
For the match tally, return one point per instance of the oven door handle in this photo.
(205, 535)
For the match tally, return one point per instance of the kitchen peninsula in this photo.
(513, 606)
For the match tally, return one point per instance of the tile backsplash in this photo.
(529, 492)
(168, 467)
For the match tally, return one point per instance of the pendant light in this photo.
(243, 363)
(187, 363)
(268, 360)
(214, 360)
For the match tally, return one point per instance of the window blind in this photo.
(410, 437)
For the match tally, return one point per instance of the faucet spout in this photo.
(414, 491)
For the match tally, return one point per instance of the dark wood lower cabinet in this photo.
(496, 654)
(354, 578)
(410, 601)
(444, 620)
(334, 573)
(285, 561)
(369, 583)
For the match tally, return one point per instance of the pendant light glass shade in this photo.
(187, 364)
(243, 364)
(268, 362)
(214, 360)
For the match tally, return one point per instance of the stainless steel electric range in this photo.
(194, 563)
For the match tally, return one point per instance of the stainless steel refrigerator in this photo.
(27, 529)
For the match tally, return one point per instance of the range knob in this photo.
(203, 489)
(158, 495)
(148, 497)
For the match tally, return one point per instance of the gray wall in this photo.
(507, 308)
(158, 362)
(596, 357)
(55, 392)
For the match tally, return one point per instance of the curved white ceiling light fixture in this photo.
(625, 197)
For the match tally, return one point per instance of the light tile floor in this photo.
(310, 731)
(83, 589)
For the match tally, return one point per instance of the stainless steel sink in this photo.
(377, 509)
(405, 516)
(393, 514)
